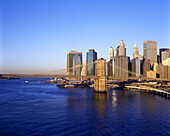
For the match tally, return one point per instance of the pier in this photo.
(147, 89)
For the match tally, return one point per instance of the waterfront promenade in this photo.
(148, 89)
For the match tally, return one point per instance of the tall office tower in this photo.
(121, 61)
(84, 69)
(136, 67)
(73, 58)
(91, 57)
(110, 68)
(121, 66)
(121, 50)
(165, 54)
(163, 71)
(167, 72)
(160, 52)
(160, 70)
(150, 51)
(146, 67)
(111, 52)
(78, 67)
(135, 51)
(141, 64)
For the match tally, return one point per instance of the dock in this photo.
(148, 89)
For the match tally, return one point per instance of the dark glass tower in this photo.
(91, 57)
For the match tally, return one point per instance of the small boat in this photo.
(73, 83)
(26, 81)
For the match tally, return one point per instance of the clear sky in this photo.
(35, 35)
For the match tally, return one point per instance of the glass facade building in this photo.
(136, 67)
(76, 59)
(72, 61)
(91, 57)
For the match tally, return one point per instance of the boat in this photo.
(62, 85)
(26, 81)
(72, 84)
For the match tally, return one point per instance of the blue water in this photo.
(38, 109)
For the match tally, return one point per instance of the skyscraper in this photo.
(165, 54)
(73, 58)
(146, 67)
(135, 51)
(150, 51)
(91, 57)
(136, 67)
(162, 50)
(121, 66)
(78, 67)
(121, 50)
(121, 61)
(110, 68)
(111, 52)
(163, 71)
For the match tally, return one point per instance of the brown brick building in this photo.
(146, 67)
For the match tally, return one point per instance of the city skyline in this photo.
(37, 40)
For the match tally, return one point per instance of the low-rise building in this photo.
(151, 74)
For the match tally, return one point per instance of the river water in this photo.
(41, 109)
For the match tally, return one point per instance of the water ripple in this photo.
(42, 109)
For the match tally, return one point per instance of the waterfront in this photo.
(43, 109)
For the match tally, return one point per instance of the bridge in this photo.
(100, 78)
(83, 77)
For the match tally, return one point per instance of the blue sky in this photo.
(37, 34)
